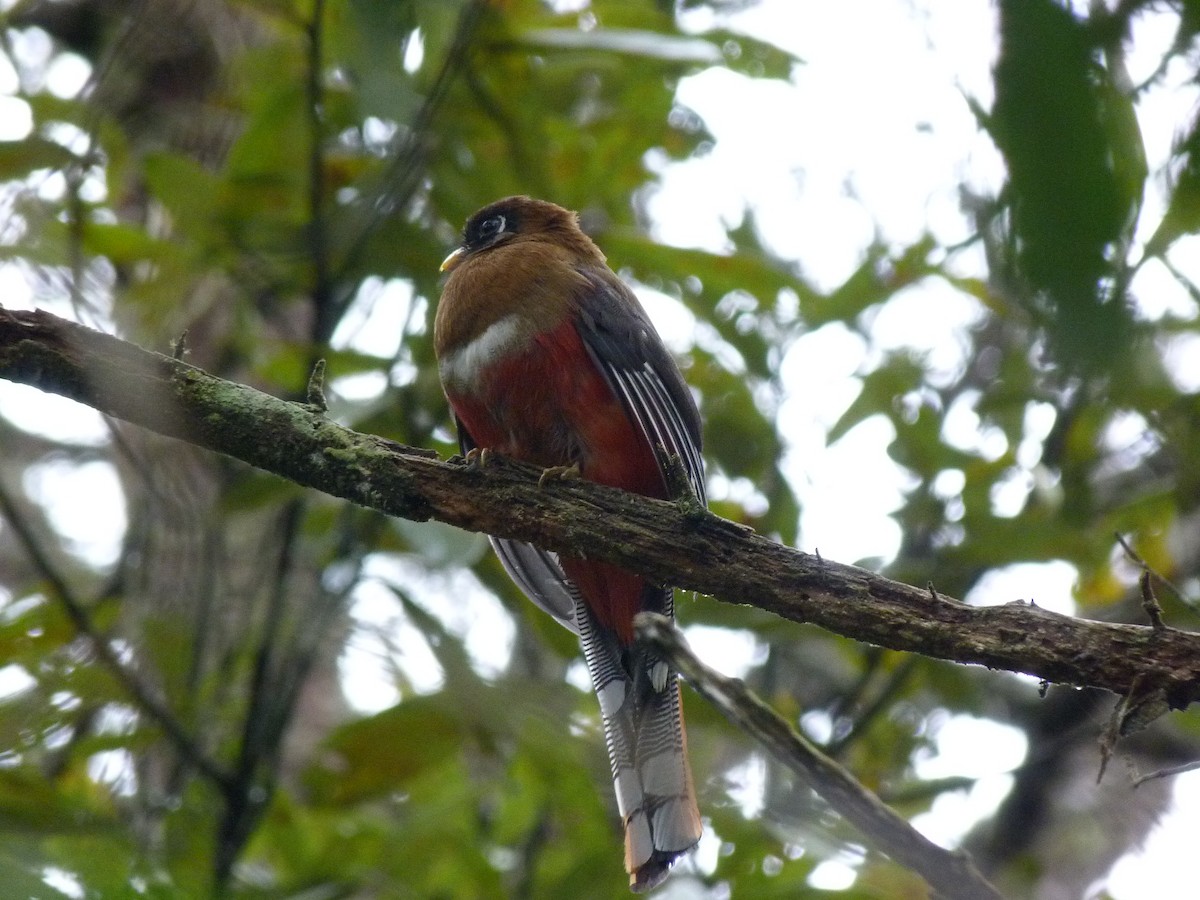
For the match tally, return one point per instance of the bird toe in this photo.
(559, 473)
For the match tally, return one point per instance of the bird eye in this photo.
(491, 226)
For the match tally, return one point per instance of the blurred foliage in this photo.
(278, 179)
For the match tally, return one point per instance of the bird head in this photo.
(520, 219)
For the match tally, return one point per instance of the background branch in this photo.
(141, 695)
(950, 874)
(660, 539)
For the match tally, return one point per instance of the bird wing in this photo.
(535, 571)
(639, 370)
(639, 696)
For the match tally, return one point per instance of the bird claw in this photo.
(478, 457)
(660, 672)
(556, 473)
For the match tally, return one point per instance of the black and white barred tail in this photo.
(647, 746)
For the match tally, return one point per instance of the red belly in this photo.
(551, 406)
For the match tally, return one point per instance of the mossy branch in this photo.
(1157, 666)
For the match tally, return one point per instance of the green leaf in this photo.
(19, 158)
(1070, 206)
(32, 804)
(383, 753)
(125, 245)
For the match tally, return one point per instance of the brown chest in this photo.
(502, 297)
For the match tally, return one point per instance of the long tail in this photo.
(643, 726)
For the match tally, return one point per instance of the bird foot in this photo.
(478, 457)
(559, 473)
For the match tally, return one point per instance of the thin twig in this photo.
(268, 710)
(1166, 773)
(402, 176)
(1112, 732)
(882, 701)
(1149, 600)
(324, 320)
(315, 393)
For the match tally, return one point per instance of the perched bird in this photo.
(547, 357)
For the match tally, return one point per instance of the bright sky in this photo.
(871, 135)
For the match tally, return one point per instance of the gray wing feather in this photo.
(640, 370)
(535, 571)
(538, 574)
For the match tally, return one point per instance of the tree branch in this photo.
(951, 874)
(142, 695)
(670, 542)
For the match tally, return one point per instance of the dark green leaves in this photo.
(1057, 120)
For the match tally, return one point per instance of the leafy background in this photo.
(303, 699)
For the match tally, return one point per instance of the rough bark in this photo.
(676, 542)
